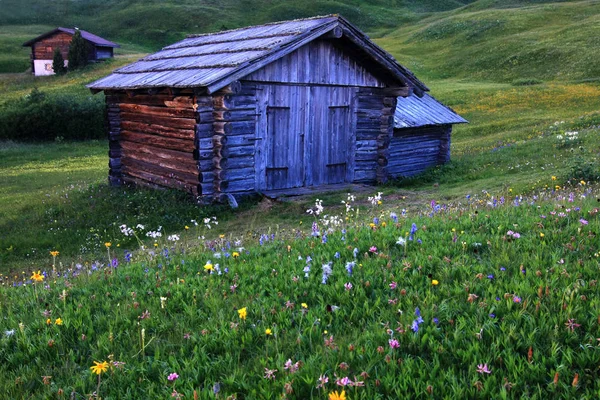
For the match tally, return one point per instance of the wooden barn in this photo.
(271, 108)
(43, 46)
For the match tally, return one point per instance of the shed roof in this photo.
(414, 111)
(217, 59)
(90, 37)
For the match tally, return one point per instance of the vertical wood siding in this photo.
(318, 62)
(152, 140)
(305, 136)
(413, 150)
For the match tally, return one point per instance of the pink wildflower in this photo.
(173, 376)
(483, 369)
(394, 344)
(270, 373)
(345, 381)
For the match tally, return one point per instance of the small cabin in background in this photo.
(271, 109)
(43, 46)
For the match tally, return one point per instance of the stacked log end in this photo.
(234, 130)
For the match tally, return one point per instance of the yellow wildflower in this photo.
(209, 267)
(553, 178)
(242, 313)
(268, 332)
(542, 234)
(37, 276)
(222, 236)
(337, 396)
(304, 305)
(54, 253)
(108, 244)
(435, 282)
(48, 321)
(235, 254)
(58, 321)
(100, 367)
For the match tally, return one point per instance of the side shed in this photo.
(422, 135)
(280, 106)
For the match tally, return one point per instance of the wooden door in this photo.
(280, 156)
(332, 136)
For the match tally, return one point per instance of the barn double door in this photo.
(306, 136)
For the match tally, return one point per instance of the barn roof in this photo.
(90, 37)
(414, 111)
(217, 59)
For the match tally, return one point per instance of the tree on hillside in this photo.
(58, 63)
(78, 51)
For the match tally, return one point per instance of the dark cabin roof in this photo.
(414, 111)
(90, 37)
(217, 59)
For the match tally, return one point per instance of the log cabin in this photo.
(43, 47)
(271, 108)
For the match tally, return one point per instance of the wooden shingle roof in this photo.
(414, 111)
(215, 60)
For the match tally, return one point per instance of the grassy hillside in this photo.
(543, 42)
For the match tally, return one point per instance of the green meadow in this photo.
(477, 279)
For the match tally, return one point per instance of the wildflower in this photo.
(268, 332)
(542, 234)
(570, 324)
(270, 373)
(394, 344)
(348, 286)
(108, 244)
(48, 321)
(242, 313)
(350, 267)
(345, 381)
(435, 282)
(401, 241)
(291, 367)
(173, 376)
(583, 221)
(483, 369)
(9, 333)
(209, 267)
(235, 254)
(516, 299)
(393, 285)
(99, 367)
(58, 321)
(323, 379)
(373, 249)
(37, 277)
(304, 305)
(337, 396)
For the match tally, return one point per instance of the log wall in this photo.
(374, 129)
(44, 48)
(152, 140)
(413, 150)
(234, 139)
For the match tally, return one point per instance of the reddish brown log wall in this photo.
(152, 140)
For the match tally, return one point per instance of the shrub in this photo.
(78, 52)
(58, 63)
(41, 117)
(526, 82)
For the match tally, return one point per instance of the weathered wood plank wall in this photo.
(413, 150)
(152, 140)
(318, 62)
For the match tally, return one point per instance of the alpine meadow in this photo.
(475, 279)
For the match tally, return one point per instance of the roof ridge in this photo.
(259, 25)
